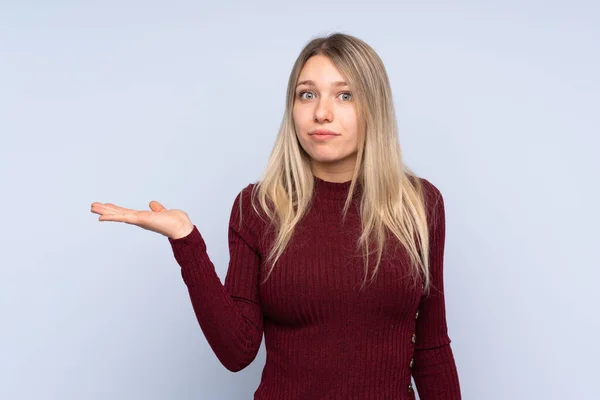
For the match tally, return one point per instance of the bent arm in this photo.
(229, 314)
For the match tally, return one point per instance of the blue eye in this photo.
(301, 94)
(347, 94)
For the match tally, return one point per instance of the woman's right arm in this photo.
(229, 314)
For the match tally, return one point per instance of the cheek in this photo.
(349, 122)
(297, 118)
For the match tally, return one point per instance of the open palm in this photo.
(171, 223)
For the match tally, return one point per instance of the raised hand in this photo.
(174, 224)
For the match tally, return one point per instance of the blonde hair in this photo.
(391, 201)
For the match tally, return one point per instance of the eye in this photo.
(348, 96)
(302, 93)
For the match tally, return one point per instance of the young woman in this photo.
(336, 255)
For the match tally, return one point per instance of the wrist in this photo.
(185, 231)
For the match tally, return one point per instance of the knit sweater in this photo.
(324, 337)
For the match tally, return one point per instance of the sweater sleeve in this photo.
(229, 314)
(434, 370)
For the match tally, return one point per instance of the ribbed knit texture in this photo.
(324, 338)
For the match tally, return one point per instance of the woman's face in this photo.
(323, 102)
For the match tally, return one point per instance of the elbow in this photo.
(237, 363)
(235, 367)
(236, 358)
(238, 348)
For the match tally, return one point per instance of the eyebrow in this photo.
(312, 83)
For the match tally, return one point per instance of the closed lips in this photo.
(323, 132)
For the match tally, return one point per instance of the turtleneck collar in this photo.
(334, 190)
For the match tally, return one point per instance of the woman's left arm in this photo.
(434, 369)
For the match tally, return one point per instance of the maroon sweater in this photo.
(324, 338)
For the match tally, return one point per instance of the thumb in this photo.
(156, 206)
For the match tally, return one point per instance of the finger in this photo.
(156, 206)
(98, 208)
(117, 209)
(110, 217)
(126, 218)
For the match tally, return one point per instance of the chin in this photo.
(327, 158)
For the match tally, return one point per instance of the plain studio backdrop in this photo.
(132, 101)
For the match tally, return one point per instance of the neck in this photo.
(335, 190)
(341, 171)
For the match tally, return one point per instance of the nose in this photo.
(323, 111)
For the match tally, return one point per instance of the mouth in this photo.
(322, 135)
(323, 132)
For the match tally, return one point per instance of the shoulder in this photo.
(430, 193)
(432, 198)
(245, 206)
(246, 193)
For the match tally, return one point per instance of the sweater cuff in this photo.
(190, 253)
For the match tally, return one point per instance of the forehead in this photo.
(321, 70)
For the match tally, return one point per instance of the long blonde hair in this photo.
(391, 199)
